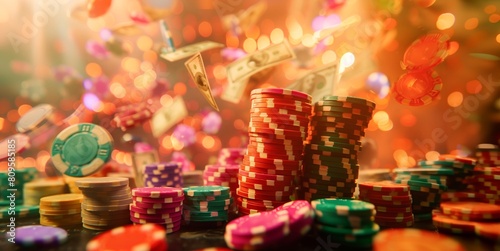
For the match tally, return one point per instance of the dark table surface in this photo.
(194, 237)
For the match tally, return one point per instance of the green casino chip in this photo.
(198, 191)
(343, 207)
(82, 149)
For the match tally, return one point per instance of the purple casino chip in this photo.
(37, 235)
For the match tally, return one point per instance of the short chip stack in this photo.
(230, 156)
(392, 201)
(105, 203)
(277, 129)
(22, 176)
(158, 205)
(347, 222)
(39, 188)
(167, 174)
(424, 188)
(62, 210)
(206, 204)
(226, 176)
(488, 155)
(462, 168)
(272, 229)
(330, 167)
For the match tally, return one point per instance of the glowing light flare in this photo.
(347, 60)
(249, 45)
(130, 64)
(295, 30)
(471, 23)
(445, 21)
(166, 142)
(408, 120)
(23, 109)
(400, 155)
(150, 56)
(328, 57)
(12, 116)
(180, 89)
(494, 18)
(426, 3)
(232, 41)
(490, 9)
(473, 86)
(92, 102)
(378, 83)
(42, 158)
(308, 40)
(219, 72)
(208, 142)
(432, 155)
(177, 145)
(381, 117)
(386, 126)
(93, 70)
(239, 124)
(498, 38)
(453, 48)
(277, 36)
(2, 123)
(455, 99)
(117, 90)
(189, 33)
(144, 43)
(205, 29)
(253, 32)
(263, 42)
(166, 100)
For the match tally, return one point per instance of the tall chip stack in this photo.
(33, 191)
(62, 210)
(105, 203)
(167, 174)
(206, 204)
(346, 222)
(330, 167)
(277, 129)
(158, 205)
(485, 184)
(487, 155)
(230, 156)
(426, 186)
(22, 176)
(393, 202)
(462, 169)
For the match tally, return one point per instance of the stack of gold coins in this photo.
(62, 210)
(39, 188)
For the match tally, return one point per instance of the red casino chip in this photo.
(131, 237)
(426, 52)
(383, 187)
(472, 209)
(489, 230)
(418, 88)
(276, 111)
(267, 171)
(291, 106)
(281, 92)
(264, 182)
(264, 187)
(282, 126)
(261, 176)
(256, 195)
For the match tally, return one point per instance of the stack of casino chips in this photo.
(277, 129)
(346, 222)
(468, 217)
(485, 184)
(20, 177)
(230, 156)
(39, 188)
(158, 205)
(330, 167)
(426, 186)
(206, 204)
(226, 176)
(133, 115)
(270, 230)
(393, 202)
(167, 174)
(62, 210)
(487, 155)
(105, 203)
(462, 168)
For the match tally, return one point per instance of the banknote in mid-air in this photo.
(319, 82)
(196, 69)
(189, 50)
(167, 116)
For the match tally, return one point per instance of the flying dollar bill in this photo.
(338, 29)
(139, 161)
(319, 82)
(242, 69)
(167, 116)
(189, 50)
(197, 71)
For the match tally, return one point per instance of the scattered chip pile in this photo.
(393, 202)
(277, 129)
(403, 239)
(62, 210)
(130, 116)
(158, 205)
(206, 204)
(281, 226)
(39, 188)
(132, 237)
(346, 222)
(426, 186)
(36, 236)
(462, 169)
(105, 203)
(468, 217)
(81, 150)
(230, 156)
(226, 176)
(488, 155)
(330, 167)
(421, 84)
(39, 123)
(167, 174)
(23, 176)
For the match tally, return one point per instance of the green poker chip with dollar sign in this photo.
(82, 149)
